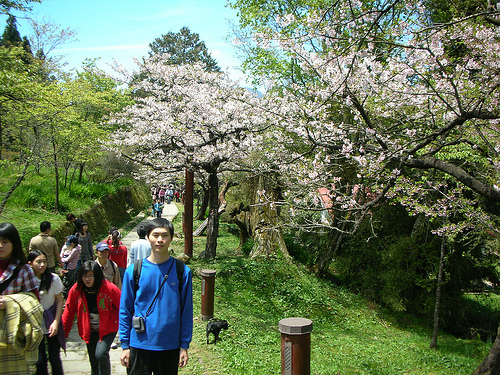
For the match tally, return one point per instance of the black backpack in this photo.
(179, 265)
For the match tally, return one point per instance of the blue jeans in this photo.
(99, 353)
(122, 272)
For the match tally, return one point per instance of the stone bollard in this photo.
(207, 294)
(295, 346)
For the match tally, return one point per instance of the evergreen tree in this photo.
(11, 36)
(184, 47)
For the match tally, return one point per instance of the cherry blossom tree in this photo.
(376, 102)
(186, 117)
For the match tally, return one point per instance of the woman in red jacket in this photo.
(118, 252)
(96, 302)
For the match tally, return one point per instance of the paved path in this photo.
(76, 361)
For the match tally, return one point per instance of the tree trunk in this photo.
(66, 171)
(213, 216)
(265, 221)
(14, 187)
(204, 204)
(438, 295)
(67, 166)
(326, 256)
(72, 179)
(241, 218)
(267, 241)
(80, 175)
(56, 171)
(222, 207)
(491, 364)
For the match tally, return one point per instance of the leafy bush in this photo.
(398, 268)
(305, 246)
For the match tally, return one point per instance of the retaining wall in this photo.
(114, 210)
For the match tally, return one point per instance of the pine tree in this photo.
(11, 37)
(184, 47)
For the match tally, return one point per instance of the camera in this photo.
(139, 324)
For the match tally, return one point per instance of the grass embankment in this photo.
(350, 335)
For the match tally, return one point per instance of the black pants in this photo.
(147, 362)
(68, 280)
(54, 357)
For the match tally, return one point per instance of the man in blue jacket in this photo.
(156, 309)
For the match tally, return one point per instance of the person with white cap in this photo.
(109, 268)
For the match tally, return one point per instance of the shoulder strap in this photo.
(6, 283)
(113, 266)
(137, 273)
(179, 264)
(150, 309)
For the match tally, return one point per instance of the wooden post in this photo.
(207, 294)
(295, 346)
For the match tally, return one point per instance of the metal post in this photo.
(295, 346)
(207, 294)
(188, 214)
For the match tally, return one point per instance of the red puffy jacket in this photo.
(108, 305)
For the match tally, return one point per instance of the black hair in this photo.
(115, 239)
(141, 231)
(72, 239)
(70, 217)
(80, 229)
(112, 229)
(9, 231)
(90, 266)
(46, 278)
(160, 222)
(45, 225)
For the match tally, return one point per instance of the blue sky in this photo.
(123, 29)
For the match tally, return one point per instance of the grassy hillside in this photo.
(350, 334)
(34, 200)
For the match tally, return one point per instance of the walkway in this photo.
(76, 361)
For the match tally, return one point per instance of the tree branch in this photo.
(458, 173)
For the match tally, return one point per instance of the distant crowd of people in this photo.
(161, 195)
(102, 286)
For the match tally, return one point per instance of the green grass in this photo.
(350, 334)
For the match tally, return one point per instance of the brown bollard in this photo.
(295, 346)
(207, 294)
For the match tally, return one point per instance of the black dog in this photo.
(214, 327)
